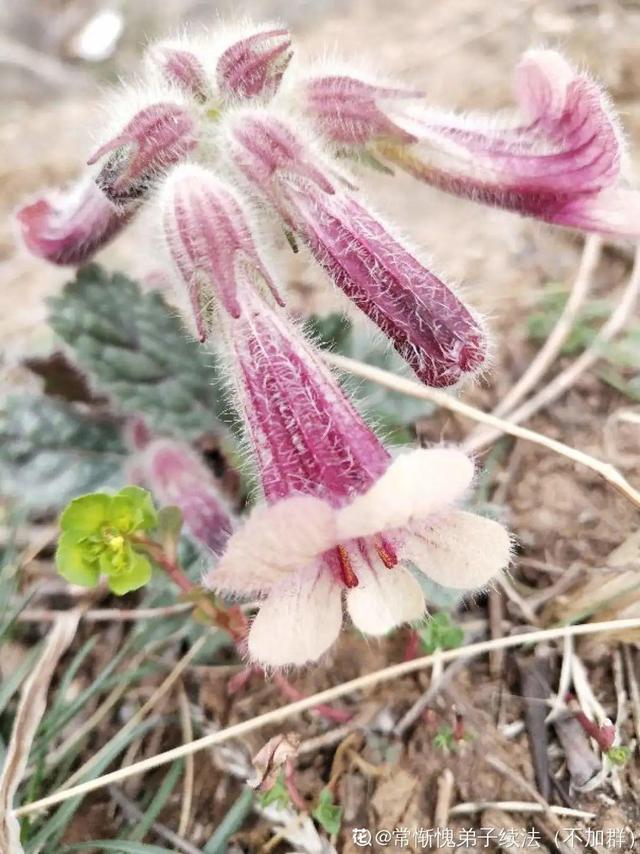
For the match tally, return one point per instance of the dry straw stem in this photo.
(518, 806)
(567, 378)
(440, 398)
(276, 716)
(32, 704)
(547, 354)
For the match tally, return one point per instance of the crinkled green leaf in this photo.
(394, 413)
(136, 575)
(441, 633)
(277, 794)
(134, 348)
(51, 451)
(86, 514)
(327, 814)
(146, 516)
(73, 562)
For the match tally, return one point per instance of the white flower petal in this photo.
(460, 550)
(298, 621)
(275, 541)
(414, 486)
(384, 599)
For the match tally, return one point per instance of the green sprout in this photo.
(99, 537)
(444, 739)
(618, 756)
(441, 633)
(277, 794)
(327, 813)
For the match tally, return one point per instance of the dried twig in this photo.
(107, 615)
(553, 345)
(567, 378)
(443, 801)
(189, 769)
(276, 716)
(435, 686)
(136, 815)
(471, 807)
(32, 705)
(441, 398)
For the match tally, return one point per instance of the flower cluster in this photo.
(236, 145)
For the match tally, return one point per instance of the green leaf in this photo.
(74, 563)
(142, 502)
(137, 574)
(441, 633)
(394, 413)
(231, 823)
(619, 756)
(136, 351)
(86, 514)
(51, 451)
(327, 814)
(277, 794)
(443, 740)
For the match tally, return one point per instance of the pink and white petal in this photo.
(460, 550)
(613, 211)
(274, 541)
(298, 621)
(415, 486)
(385, 599)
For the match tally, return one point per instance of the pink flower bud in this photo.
(182, 68)
(155, 139)
(349, 111)
(427, 324)
(70, 226)
(210, 242)
(177, 476)
(254, 66)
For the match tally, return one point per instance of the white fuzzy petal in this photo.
(460, 550)
(274, 541)
(384, 599)
(298, 621)
(415, 486)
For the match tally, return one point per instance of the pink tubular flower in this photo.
(559, 163)
(342, 519)
(177, 476)
(155, 139)
(69, 226)
(254, 65)
(427, 324)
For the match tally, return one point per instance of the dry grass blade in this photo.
(441, 398)
(518, 806)
(278, 715)
(567, 378)
(186, 725)
(30, 710)
(560, 332)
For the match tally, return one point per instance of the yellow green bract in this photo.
(97, 532)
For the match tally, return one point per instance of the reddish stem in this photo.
(340, 716)
(412, 647)
(604, 735)
(290, 779)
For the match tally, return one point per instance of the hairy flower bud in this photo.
(349, 111)
(254, 65)
(210, 242)
(180, 67)
(427, 324)
(155, 139)
(70, 226)
(177, 476)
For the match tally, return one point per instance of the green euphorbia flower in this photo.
(97, 539)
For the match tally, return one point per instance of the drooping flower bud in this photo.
(155, 139)
(70, 226)
(210, 243)
(180, 67)
(349, 111)
(254, 65)
(427, 324)
(559, 161)
(177, 476)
